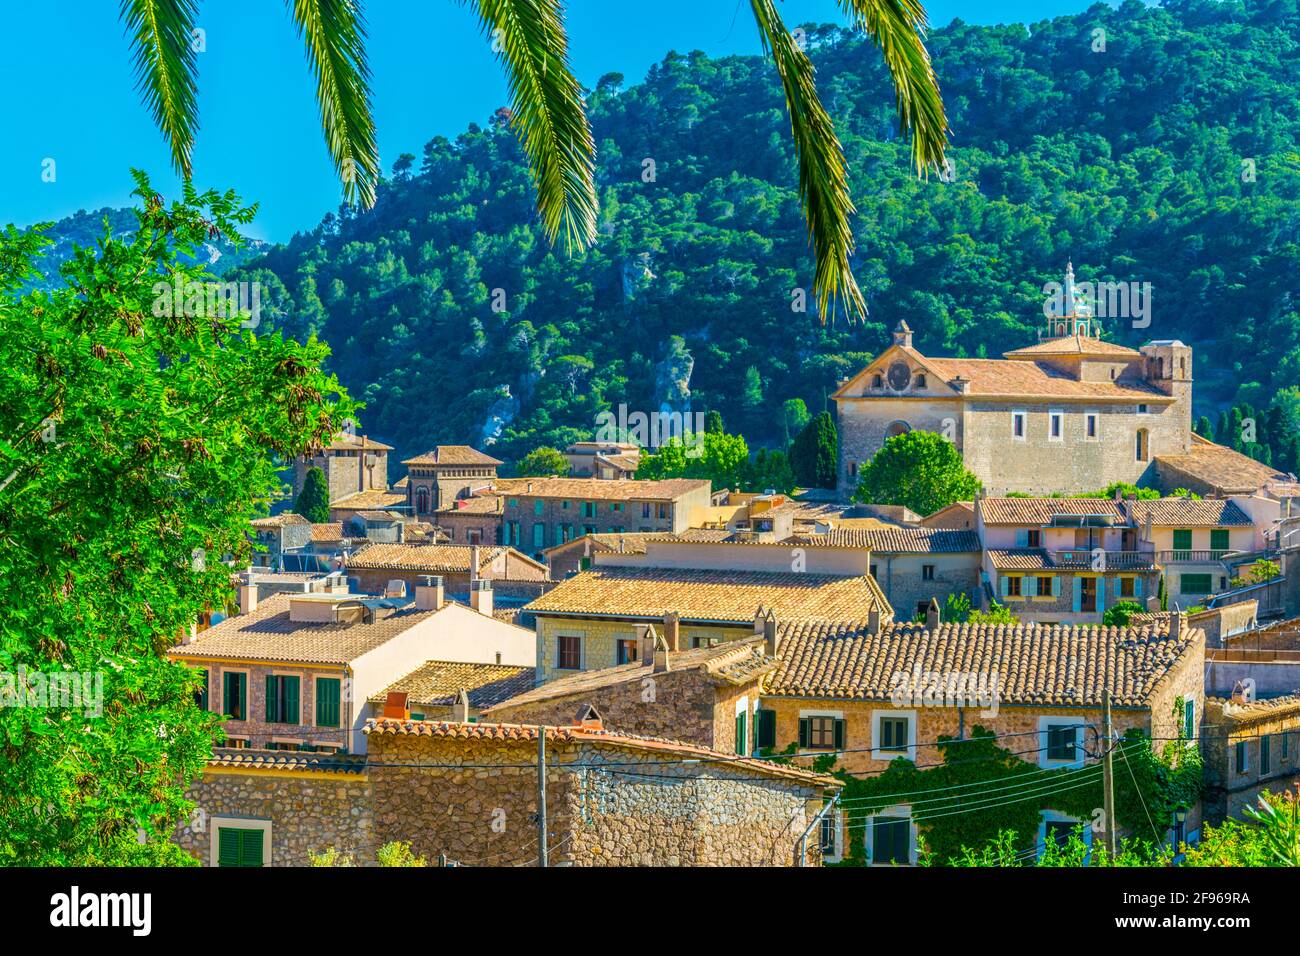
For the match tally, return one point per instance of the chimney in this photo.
(247, 595)
(589, 718)
(661, 656)
(873, 621)
(396, 588)
(473, 562)
(395, 706)
(480, 597)
(932, 615)
(672, 630)
(1176, 624)
(430, 594)
(770, 640)
(460, 709)
(759, 617)
(645, 643)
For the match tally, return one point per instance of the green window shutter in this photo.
(741, 740)
(233, 695)
(1265, 754)
(203, 691)
(803, 731)
(328, 701)
(1194, 583)
(1219, 539)
(766, 728)
(291, 687)
(272, 699)
(839, 735)
(250, 848)
(228, 842)
(1183, 540)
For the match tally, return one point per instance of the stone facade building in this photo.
(445, 474)
(374, 567)
(351, 463)
(1250, 746)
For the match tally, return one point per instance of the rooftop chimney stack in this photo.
(873, 621)
(480, 596)
(661, 656)
(770, 640)
(460, 709)
(430, 593)
(247, 595)
(473, 562)
(645, 643)
(672, 630)
(1176, 624)
(932, 615)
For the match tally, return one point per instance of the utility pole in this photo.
(1108, 772)
(541, 796)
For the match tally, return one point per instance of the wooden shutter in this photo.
(839, 735)
(1003, 584)
(228, 847)
(741, 742)
(1101, 593)
(272, 699)
(327, 702)
(1078, 595)
(766, 728)
(1022, 537)
(292, 689)
(1183, 540)
(1219, 539)
(803, 731)
(203, 691)
(1056, 585)
(1137, 587)
(250, 847)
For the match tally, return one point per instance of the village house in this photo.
(1250, 746)
(705, 696)
(1070, 414)
(294, 672)
(541, 512)
(475, 519)
(444, 474)
(284, 537)
(466, 793)
(351, 463)
(873, 692)
(566, 560)
(452, 690)
(608, 461)
(372, 499)
(508, 573)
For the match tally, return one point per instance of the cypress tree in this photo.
(313, 502)
(815, 453)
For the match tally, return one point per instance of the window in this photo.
(282, 693)
(1128, 587)
(927, 572)
(564, 506)
(742, 738)
(821, 732)
(705, 641)
(1286, 746)
(625, 652)
(1090, 428)
(616, 506)
(1033, 538)
(422, 500)
(238, 846)
(329, 701)
(765, 728)
(1243, 757)
(1189, 719)
(1057, 829)
(853, 469)
(832, 836)
(893, 734)
(538, 506)
(1058, 832)
(513, 502)
(589, 509)
(645, 510)
(877, 381)
(663, 511)
(1018, 425)
(1141, 448)
(1219, 539)
(1194, 583)
(570, 653)
(201, 695)
(539, 535)
(512, 532)
(1062, 741)
(234, 695)
(920, 381)
(1015, 586)
(1143, 409)
(1182, 544)
(1055, 426)
(922, 609)
(1265, 754)
(891, 840)
(1044, 585)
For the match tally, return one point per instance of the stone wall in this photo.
(902, 578)
(1227, 792)
(308, 813)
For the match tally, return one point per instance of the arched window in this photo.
(1142, 447)
(422, 500)
(897, 428)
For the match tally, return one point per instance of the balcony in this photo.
(1084, 558)
(1192, 557)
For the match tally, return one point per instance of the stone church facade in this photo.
(1069, 414)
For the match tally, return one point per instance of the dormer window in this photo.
(920, 380)
(877, 381)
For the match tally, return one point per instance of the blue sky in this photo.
(72, 97)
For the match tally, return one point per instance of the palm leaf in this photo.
(898, 28)
(823, 184)
(161, 34)
(335, 36)
(548, 113)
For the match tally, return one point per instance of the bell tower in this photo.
(1068, 311)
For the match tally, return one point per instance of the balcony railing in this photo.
(1192, 557)
(1104, 560)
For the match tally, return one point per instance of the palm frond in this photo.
(898, 29)
(549, 114)
(334, 32)
(823, 182)
(161, 33)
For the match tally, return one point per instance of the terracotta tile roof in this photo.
(731, 663)
(596, 489)
(439, 683)
(626, 543)
(282, 520)
(623, 462)
(426, 558)
(378, 516)
(1017, 378)
(329, 531)
(1040, 510)
(1258, 710)
(1218, 467)
(1020, 559)
(1061, 666)
(895, 539)
(1186, 512)
(1075, 345)
(402, 483)
(600, 738)
(357, 443)
(478, 504)
(372, 499)
(1072, 559)
(710, 595)
(250, 759)
(267, 634)
(452, 455)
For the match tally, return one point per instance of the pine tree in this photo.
(713, 423)
(1204, 427)
(313, 502)
(1222, 434)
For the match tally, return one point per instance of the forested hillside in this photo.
(1163, 151)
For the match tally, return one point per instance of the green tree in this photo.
(815, 453)
(996, 614)
(717, 456)
(768, 471)
(920, 470)
(794, 416)
(541, 462)
(548, 111)
(1121, 613)
(138, 441)
(713, 423)
(313, 502)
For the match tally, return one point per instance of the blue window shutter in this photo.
(1056, 585)
(1078, 595)
(1137, 587)
(1101, 593)
(1022, 538)
(1002, 583)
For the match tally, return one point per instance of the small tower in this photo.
(1169, 368)
(1069, 313)
(903, 334)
